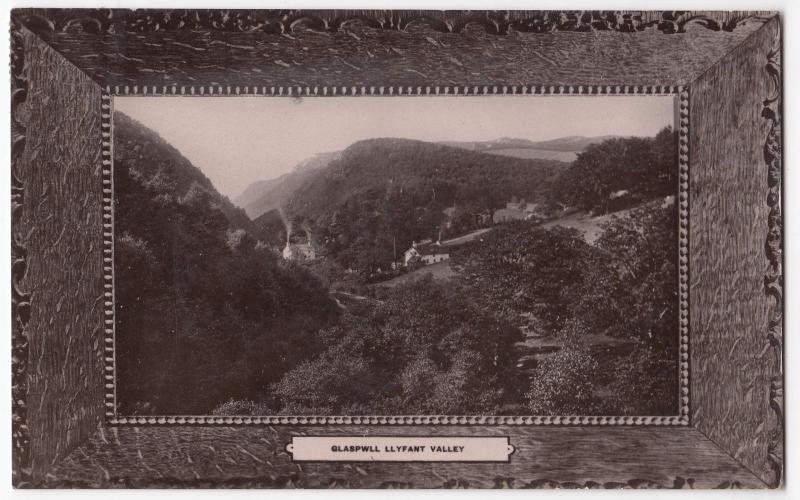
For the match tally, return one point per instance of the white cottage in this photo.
(427, 254)
(299, 252)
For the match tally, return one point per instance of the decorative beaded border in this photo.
(669, 420)
(683, 250)
(109, 324)
(372, 90)
(682, 92)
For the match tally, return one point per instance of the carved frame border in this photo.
(501, 22)
(498, 23)
(20, 299)
(773, 277)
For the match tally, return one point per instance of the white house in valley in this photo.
(299, 252)
(425, 253)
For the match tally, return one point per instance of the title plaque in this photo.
(400, 449)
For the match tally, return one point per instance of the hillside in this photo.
(619, 173)
(272, 228)
(572, 143)
(367, 207)
(153, 159)
(562, 148)
(262, 196)
(532, 153)
(401, 163)
(198, 301)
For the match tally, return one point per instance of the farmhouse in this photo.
(517, 211)
(299, 252)
(425, 253)
(507, 214)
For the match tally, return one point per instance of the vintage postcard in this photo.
(396, 249)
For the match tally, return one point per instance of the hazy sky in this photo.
(236, 141)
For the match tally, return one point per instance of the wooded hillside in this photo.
(383, 194)
(203, 310)
(458, 173)
(210, 317)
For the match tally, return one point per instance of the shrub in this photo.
(241, 407)
(564, 383)
(425, 348)
(325, 385)
(644, 383)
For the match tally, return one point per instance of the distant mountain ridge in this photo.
(318, 160)
(572, 143)
(380, 162)
(563, 149)
(262, 196)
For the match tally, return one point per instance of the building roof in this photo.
(509, 214)
(431, 249)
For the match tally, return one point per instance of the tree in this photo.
(203, 314)
(642, 248)
(427, 348)
(619, 172)
(624, 287)
(521, 268)
(565, 383)
(383, 194)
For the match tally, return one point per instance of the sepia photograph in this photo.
(396, 255)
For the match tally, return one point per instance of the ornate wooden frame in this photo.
(65, 66)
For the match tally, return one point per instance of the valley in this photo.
(400, 276)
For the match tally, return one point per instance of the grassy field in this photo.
(528, 153)
(439, 271)
(465, 238)
(588, 225)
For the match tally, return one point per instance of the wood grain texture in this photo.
(499, 22)
(572, 457)
(60, 224)
(734, 362)
(773, 279)
(20, 298)
(361, 55)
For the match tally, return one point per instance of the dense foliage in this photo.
(271, 228)
(623, 288)
(424, 349)
(459, 173)
(619, 172)
(521, 268)
(210, 318)
(204, 311)
(373, 228)
(382, 194)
